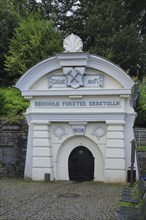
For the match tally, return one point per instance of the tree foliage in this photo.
(141, 108)
(12, 105)
(143, 94)
(114, 38)
(19, 6)
(112, 29)
(9, 20)
(31, 44)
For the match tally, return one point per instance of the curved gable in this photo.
(98, 64)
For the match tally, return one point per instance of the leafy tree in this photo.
(141, 108)
(19, 6)
(33, 6)
(112, 29)
(12, 105)
(9, 20)
(136, 11)
(115, 37)
(31, 44)
(143, 94)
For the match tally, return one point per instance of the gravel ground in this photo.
(58, 200)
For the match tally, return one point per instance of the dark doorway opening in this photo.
(81, 164)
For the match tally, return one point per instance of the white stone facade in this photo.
(77, 99)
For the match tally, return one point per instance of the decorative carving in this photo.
(74, 76)
(98, 131)
(59, 132)
(73, 43)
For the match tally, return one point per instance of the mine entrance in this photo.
(81, 164)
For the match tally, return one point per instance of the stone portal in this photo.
(78, 103)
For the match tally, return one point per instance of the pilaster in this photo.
(29, 152)
(129, 136)
(115, 152)
(42, 153)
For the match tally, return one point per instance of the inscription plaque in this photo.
(87, 81)
(84, 103)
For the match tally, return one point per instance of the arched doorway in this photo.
(81, 164)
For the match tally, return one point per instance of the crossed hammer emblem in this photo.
(74, 76)
(74, 73)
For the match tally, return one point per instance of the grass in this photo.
(130, 204)
(134, 196)
(142, 148)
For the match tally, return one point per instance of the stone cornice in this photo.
(80, 92)
(73, 59)
(78, 117)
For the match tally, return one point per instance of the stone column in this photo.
(115, 152)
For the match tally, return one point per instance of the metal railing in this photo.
(140, 136)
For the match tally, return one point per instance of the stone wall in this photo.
(13, 142)
(140, 136)
(142, 162)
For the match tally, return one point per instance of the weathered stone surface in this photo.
(140, 136)
(41, 200)
(15, 138)
(142, 162)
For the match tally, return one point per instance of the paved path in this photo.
(59, 200)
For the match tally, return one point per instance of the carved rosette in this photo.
(98, 131)
(73, 43)
(59, 132)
